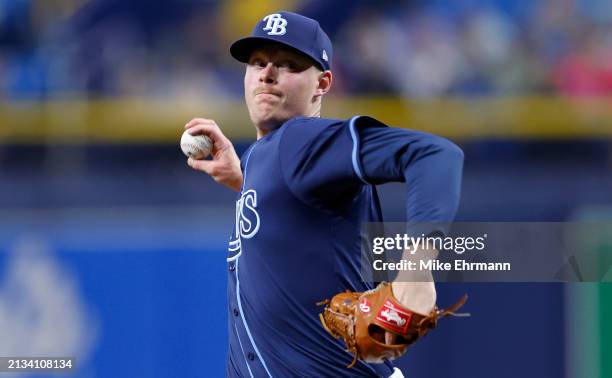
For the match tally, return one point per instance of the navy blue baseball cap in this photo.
(289, 29)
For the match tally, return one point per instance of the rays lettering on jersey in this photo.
(247, 219)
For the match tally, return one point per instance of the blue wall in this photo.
(156, 289)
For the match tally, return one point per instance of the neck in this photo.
(263, 130)
(262, 133)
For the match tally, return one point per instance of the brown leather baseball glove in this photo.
(362, 319)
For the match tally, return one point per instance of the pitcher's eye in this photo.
(288, 64)
(257, 62)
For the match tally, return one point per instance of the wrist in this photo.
(419, 297)
(236, 185)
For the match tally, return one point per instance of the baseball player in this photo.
(305, 188)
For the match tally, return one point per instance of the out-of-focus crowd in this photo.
(56, 49)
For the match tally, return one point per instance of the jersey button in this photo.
(232, 267)
(251, 356)
(236, 313)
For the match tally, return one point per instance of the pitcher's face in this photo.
(279, 84)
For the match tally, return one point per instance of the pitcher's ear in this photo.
(324, 83)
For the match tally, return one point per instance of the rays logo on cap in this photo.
(275, 24)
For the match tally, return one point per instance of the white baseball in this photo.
(197, 147)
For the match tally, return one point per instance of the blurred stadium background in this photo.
(112, 249)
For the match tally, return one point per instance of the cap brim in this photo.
(241, 49)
